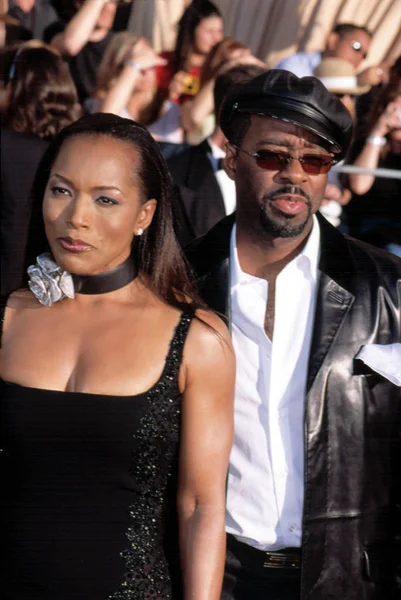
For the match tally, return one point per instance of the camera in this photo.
(191, 85)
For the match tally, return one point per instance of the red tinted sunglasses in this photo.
(312, 164)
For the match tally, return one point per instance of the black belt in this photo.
(287, 558)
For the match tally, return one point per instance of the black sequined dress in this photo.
(88, 486)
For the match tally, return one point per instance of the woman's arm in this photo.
(78, 31)
(370, 155)
(143, 57)
(207, 433)
(195, 111)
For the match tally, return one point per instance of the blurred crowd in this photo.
(60, 60)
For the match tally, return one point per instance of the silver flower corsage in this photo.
(48, 282)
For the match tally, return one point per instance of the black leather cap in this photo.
(303, 101)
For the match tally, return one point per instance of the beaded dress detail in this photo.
(88, 495)
(154, 462)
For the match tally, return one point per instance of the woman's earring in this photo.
(139, 231)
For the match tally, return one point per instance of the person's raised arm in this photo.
(195, 111)
(143, 57)
(206, 439)
(80, 29)
(370, 154)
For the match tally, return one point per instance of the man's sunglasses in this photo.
(312, 164)
(357, 46)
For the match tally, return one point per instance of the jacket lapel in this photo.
(333, 300)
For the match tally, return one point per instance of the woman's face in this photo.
(146, 80)
(93, 205)
(208, 33)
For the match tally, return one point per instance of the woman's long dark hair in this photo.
(385, 95)
(192, 16)
(43, 98)
(157, 252)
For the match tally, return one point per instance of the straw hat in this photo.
(339, 77)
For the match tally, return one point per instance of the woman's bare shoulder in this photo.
(209, 361)
(21, 299)
(208, 334)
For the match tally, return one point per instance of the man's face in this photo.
(280, 202)
(353, 46)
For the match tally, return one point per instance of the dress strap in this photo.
(3, 304)
(174, 356)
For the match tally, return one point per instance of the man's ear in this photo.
(230, 161)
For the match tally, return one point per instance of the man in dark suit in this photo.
(205, 194)
(314, 485)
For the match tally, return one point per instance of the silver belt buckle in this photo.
(274, 560)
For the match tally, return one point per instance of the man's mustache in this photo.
(288, 189)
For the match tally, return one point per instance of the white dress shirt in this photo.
(265, 482)
(227, 185)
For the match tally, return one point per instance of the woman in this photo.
(375, 212)
(197, 113)
(92, 480)
(199, 29)
(38, 99)
(126, 86)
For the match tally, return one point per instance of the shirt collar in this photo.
(216, 151)
(307, 259)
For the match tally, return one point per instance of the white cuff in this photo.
(384, 359)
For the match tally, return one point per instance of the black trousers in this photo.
(245, 577)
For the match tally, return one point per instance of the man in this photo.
(205, 193)
(314, 480)
(347, 41)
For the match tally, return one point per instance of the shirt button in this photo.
(292, 528)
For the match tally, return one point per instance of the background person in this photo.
(197, 113)
(339, 77)
(39, 100)
(199, 29)
(33, 15)
(347, 41)
(126, 85)
(315, 319)
(375, 211)
(204, 192)
(84, 39)
(115, 436)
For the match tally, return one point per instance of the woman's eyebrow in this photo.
(95, 187)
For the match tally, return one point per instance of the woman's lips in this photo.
(290, 205)
(74, 245)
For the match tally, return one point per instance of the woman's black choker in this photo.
(49, 283)
(109, 281)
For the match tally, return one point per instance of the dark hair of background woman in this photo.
(43, 98)
(218, 56)
(385, 95)
(192, 16)
(156, 252)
